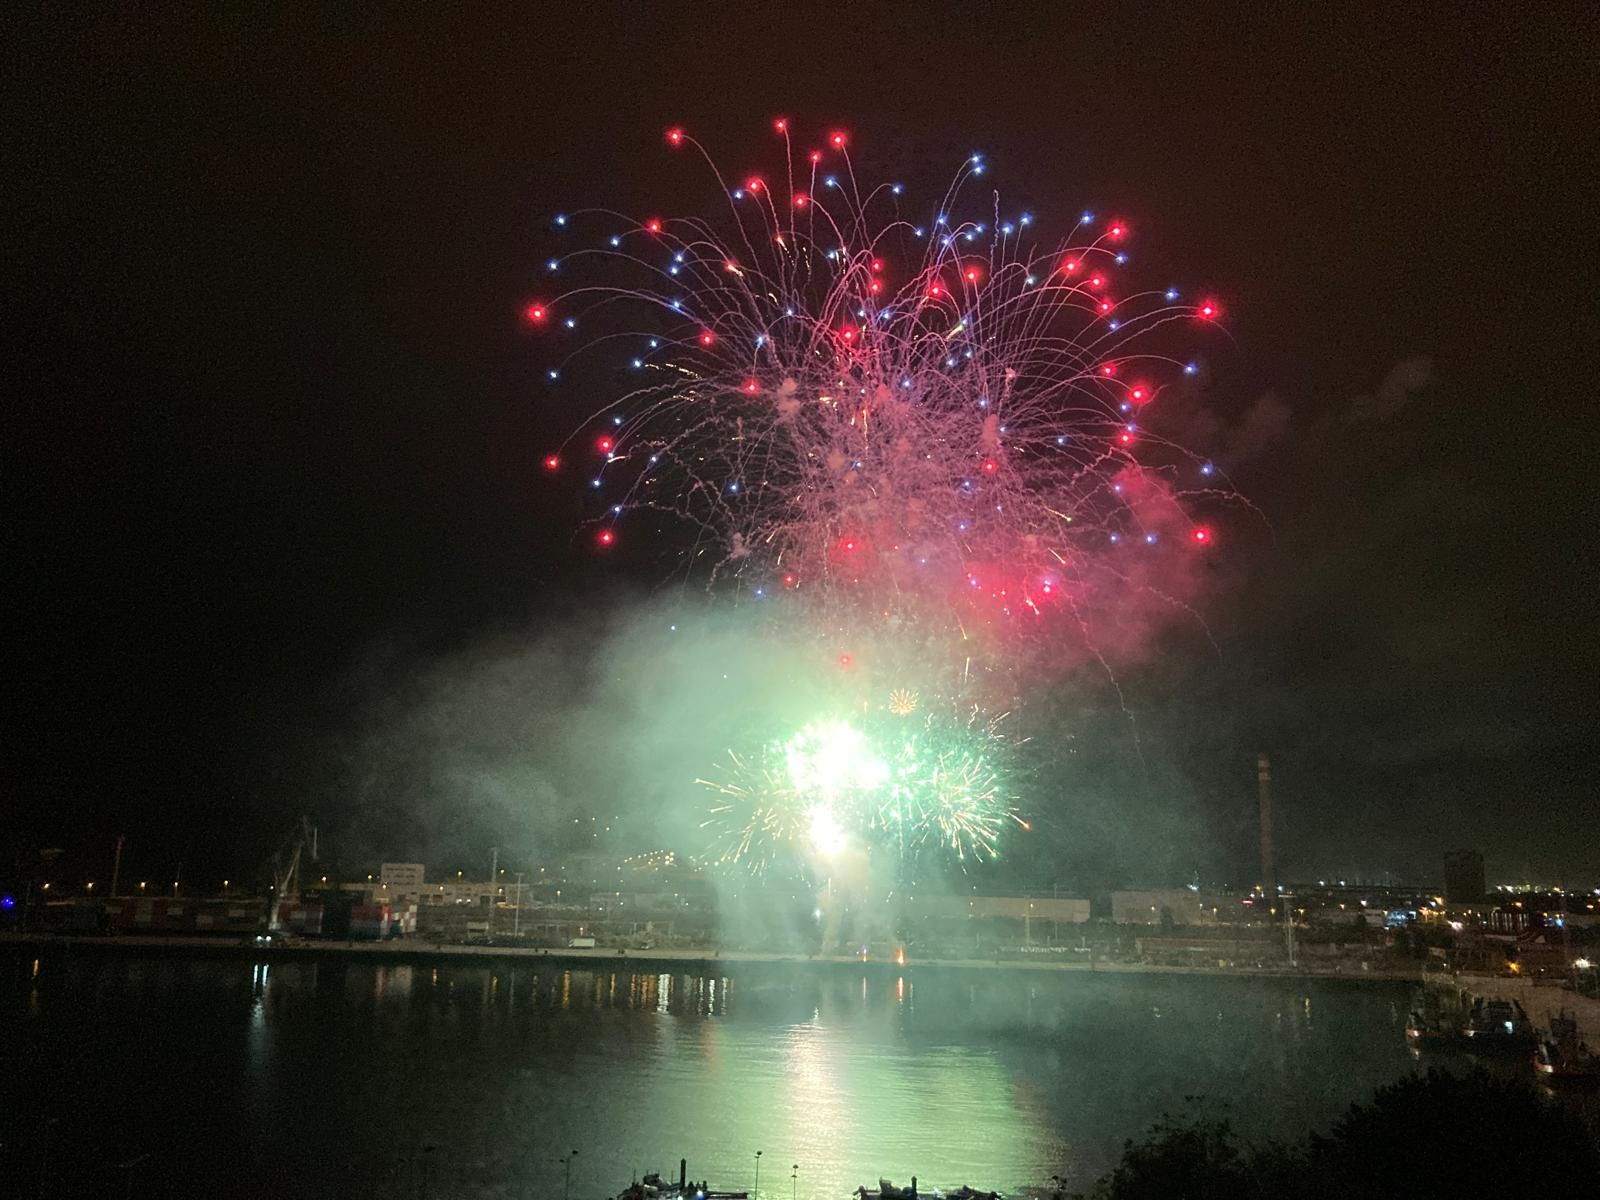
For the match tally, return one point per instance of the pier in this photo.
(417, 951)
(1539, 999)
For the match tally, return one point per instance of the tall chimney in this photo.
(1269, 866)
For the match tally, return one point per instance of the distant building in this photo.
(1172, 906)
(1463, 877)
(982, 908)
(1238, 946)
(403, 880)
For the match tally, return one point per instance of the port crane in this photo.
(285, 868)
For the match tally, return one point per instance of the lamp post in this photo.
(794, 1182)
(757, 1195)
(566, 1182)
(128, 1168)
(426, 1165)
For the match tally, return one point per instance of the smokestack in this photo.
(683, 1173)
(1269, 866)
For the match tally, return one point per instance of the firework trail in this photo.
(924, 436)
(899, 781)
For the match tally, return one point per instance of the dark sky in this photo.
(271, 414)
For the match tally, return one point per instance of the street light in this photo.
(757, 1195)
(794, 1182)
(426, 1163)
(128, 1168)
(566, 1183)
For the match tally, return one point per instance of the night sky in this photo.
(273, 426)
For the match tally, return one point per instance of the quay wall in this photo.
(663, 960)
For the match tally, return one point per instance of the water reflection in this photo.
(993, 1080)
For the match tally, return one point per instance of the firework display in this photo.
(905, 425)
(898, 782)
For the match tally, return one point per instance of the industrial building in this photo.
(1173, 906)
(1464, 881)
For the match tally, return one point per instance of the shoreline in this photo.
(668, 960)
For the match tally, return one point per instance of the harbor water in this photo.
(178, 1076)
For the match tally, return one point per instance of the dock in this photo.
(1540, 1000)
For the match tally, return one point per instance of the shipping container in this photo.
(300, 918)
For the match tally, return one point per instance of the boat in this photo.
(652, 1187)
(1432, 1023)
(1426, 1029)
(1497, 1025)
(1562, 1056)
(888, 1191)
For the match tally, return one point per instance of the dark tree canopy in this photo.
(1434, 1135)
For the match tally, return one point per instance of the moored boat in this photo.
(1562, 1056)
(1431, 1023)
(652, 1187)
(888, 1191)
(1424, 1029)
(1496, 1025)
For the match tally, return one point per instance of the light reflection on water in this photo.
(287, 1079)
